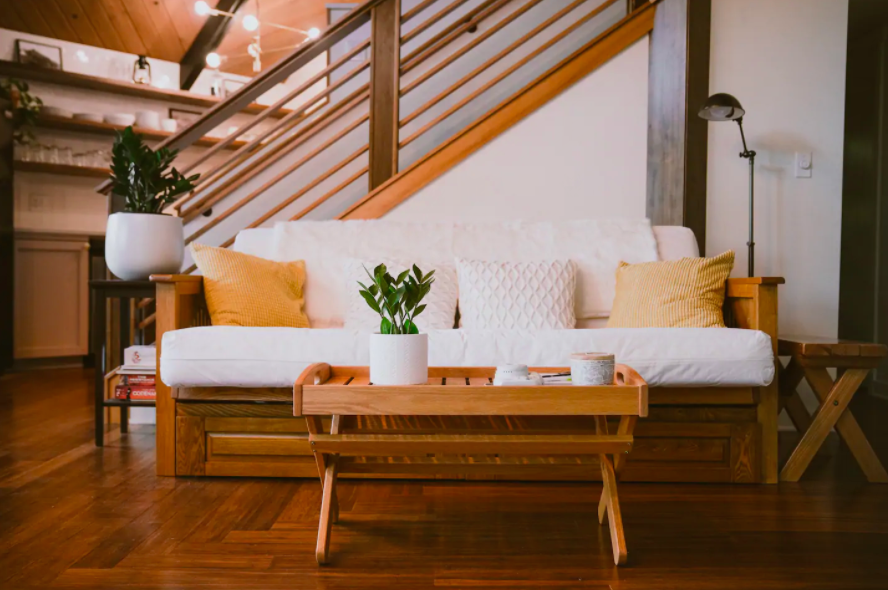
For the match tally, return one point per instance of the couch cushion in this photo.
(274, 357)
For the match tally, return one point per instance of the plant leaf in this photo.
(370, 301)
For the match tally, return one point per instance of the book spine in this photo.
(137, 380)
(139, 392)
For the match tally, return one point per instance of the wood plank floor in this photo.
(73, 516)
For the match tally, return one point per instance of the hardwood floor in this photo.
(74, 516)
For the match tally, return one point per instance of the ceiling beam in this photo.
(207, 40)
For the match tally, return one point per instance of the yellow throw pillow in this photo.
(244, 290)
(685, 293)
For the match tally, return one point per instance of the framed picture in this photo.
(38, 54)
(183, 117)
(229, 87)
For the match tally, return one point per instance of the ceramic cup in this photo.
(169, 125)
(147, 120)
(592, 368)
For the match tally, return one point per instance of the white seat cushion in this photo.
(274, 357)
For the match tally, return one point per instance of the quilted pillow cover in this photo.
(517, 295)
(440, 311)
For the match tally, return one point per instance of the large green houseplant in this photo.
(142, 240)
(399, 354)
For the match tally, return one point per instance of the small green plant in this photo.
(397, 299)
(143, 176)
(23, 109)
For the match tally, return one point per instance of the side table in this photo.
(103, 290)
(810, 357)
(323, 390)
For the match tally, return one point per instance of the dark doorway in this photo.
(863, 289)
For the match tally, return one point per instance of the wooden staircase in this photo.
(405, 95)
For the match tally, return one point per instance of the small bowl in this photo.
(93, 117)
(169, 125)
(56, 112)
(120, 119)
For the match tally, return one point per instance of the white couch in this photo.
(217, 356)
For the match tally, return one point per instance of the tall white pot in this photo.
(399, 359)
(138, 245)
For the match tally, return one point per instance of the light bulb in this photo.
(314, 33)
(202, 8)
(250, 22)
(214, 60)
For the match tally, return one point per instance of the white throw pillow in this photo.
(522, 295)
(440, 311)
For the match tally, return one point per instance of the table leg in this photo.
(848, 428)
(614, 515)
(325, 523)
(315, 427)
(790, 377)
(125, 335)
(98, 350)
(627, 426)
(832, 405)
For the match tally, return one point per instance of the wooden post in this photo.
(7, 245)
(678, 85)
(385, 45)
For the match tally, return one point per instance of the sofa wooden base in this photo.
(691, 435)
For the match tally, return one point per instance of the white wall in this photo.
(785, 61)
(584, 154)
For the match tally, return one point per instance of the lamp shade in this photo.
(721, 107)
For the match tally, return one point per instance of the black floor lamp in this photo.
(724, 107)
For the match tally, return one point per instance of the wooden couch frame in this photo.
(713, 434)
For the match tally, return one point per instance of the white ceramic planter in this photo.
(138, 245)
(399, 359)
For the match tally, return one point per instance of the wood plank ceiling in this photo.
(163, 29)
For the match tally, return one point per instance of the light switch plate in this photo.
(804, 164)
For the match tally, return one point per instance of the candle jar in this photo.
(592, 368)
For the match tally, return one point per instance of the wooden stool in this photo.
(810, 357)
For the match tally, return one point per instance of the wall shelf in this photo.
(63, 124)
(63, 169)
(35, 74)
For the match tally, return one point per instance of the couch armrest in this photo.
(752, 303)
(180, 304)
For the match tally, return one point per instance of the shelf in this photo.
(76, 125)
(64, 169)
(140, 403)
(35, 74)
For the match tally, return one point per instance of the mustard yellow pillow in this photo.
(244, 290)
(685, 293)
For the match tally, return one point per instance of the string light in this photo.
(251, 23)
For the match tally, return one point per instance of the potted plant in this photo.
(20, 107)
(143, 240)
(399, 354)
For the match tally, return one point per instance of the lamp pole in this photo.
(749, 155)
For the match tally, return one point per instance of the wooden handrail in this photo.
(451, 32)
(498, 78)
(268, 79)
(272, 155)
(496, 121)
(285, 125)
(416, 10)
(276, 106)
(432, 20)
(407, 88)
(249, 198)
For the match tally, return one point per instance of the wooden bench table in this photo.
(810, 357)
(323, 390)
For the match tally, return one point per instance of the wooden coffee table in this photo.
(323, 390)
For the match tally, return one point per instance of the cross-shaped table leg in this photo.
(834, 398)
(609, 505)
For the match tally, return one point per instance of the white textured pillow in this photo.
(523, 295)
(440, 311)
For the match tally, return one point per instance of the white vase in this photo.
(138, 245)
(399, 359)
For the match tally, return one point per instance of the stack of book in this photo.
(137, 374)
